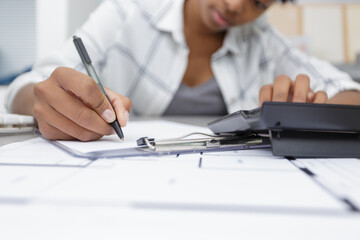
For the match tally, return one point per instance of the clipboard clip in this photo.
(206, 142)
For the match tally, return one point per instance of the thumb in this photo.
(122, 106)
(106, 111)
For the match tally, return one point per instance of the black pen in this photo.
(85, 58)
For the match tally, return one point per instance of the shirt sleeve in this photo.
(98, 33)
(323, 75)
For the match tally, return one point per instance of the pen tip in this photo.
(122, 139)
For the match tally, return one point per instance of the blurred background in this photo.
(327, 29)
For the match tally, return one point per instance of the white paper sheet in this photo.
(243, 193)
(236, 180)
(108, 222)
(133, 131)
(183, 184)
(340, 175)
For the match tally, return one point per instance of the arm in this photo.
(67, 104)
(346, 97)
(98, 33)
(24, 101)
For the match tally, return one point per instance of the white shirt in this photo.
(139, 50)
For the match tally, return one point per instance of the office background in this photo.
(31, 28)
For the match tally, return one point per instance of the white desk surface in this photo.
(59, 197)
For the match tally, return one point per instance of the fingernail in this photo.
(108, 116)
(310, 95)
(126, 117)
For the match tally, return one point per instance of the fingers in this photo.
(301, 89)
(284, 90)
(86, 90)
(69, 105)
(265, 94)
(281, 89)
(303, 93)
(320, 97)
(50, 121)
(72, 108)
(52, 133)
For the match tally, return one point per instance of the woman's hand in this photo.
(285, 90)
(69, 105)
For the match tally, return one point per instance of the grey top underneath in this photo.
(205, 99)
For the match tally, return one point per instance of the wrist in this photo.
(24, 101)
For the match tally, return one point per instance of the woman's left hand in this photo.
(286, 90)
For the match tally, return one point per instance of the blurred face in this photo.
(219, 15)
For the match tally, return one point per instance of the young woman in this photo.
(184, 57)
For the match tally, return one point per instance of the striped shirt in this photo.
(139, 50)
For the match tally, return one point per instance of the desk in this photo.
(197, 203)
(11, 138)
